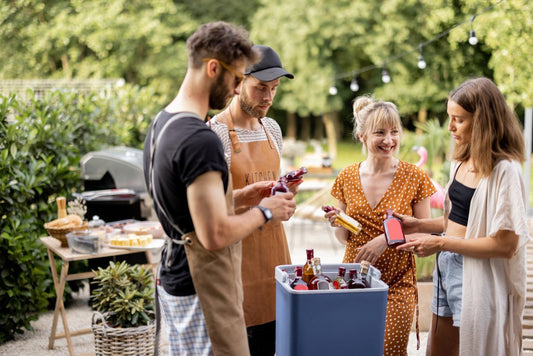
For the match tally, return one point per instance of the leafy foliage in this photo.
(126, 292)
(41, 143)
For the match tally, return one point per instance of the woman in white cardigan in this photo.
(485, 229)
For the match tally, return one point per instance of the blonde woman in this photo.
(365, 190)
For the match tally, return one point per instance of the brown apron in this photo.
(217, 281)
(264, 249)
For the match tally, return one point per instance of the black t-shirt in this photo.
(187, 150)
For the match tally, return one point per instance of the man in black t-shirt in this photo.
(199, 283)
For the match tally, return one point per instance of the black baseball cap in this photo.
(269, 67)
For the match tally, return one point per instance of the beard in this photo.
(248, 106)
(219, 94)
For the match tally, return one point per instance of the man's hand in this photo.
(293, 186)
(282, 206)
(252, 194)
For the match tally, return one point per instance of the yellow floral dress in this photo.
(409, 186)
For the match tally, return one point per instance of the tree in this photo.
(506, 32)
(140, 41)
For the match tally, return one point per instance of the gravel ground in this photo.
(79, 316)
(300, 234)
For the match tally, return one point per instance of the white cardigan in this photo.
(494, 289)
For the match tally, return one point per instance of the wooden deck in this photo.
(528, 313)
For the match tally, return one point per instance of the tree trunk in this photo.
(422, 117)
(291, 126)
(305, 131)
(318, 129)
(331, 123)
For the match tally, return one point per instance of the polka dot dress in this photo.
(409, 186)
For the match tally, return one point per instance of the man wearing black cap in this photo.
(252, 146)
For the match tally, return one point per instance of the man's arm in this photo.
(214, 227)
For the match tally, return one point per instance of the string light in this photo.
(421, 63)
(354, 86)
(385, 77)
(472, 39)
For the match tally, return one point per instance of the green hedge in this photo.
(41, 143)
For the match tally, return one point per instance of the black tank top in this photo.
(460, 197)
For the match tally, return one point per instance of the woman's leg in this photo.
(443, 338)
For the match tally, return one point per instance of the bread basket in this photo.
(60, 233)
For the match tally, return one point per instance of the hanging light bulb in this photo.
(354, 86)
(421, 62)
(385, 77)
(333, 90)
(472, 39)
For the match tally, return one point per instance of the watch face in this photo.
(268, 214)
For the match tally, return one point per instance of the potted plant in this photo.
(123, 322)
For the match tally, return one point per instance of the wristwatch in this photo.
(266, 213)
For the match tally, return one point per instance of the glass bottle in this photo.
(61, 207)
(296, 175)
(307, 270)
(298, 283)
(280, 187)
(393, 230)
(343, 219)
(97, 228)
(365, 266)
(320, 281)
(339, 282)
(355, 282)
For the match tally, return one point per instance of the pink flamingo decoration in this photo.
(437, 199)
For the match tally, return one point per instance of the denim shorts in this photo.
(448, 287)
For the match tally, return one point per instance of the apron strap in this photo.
(233, 134)
(154, 142)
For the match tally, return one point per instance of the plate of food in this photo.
(135, 242)
(144, 228)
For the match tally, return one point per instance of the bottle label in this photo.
(394, 232)
(300, 287)
(322, 285)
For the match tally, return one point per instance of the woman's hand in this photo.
(372, 250)
(331, 215)
(410, 224)
(422, 245)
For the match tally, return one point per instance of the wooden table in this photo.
(53, 246)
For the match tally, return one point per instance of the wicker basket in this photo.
(137, 341)
(61, 233)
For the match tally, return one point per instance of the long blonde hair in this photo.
(496, 132)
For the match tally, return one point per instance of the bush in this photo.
(41, 144)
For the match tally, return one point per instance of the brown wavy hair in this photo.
(496, 132)
(222, 41)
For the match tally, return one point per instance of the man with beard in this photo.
(252, 145)
(199, 279)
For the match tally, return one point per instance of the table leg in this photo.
(60, 308)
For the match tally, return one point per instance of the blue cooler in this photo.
(330, 322)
